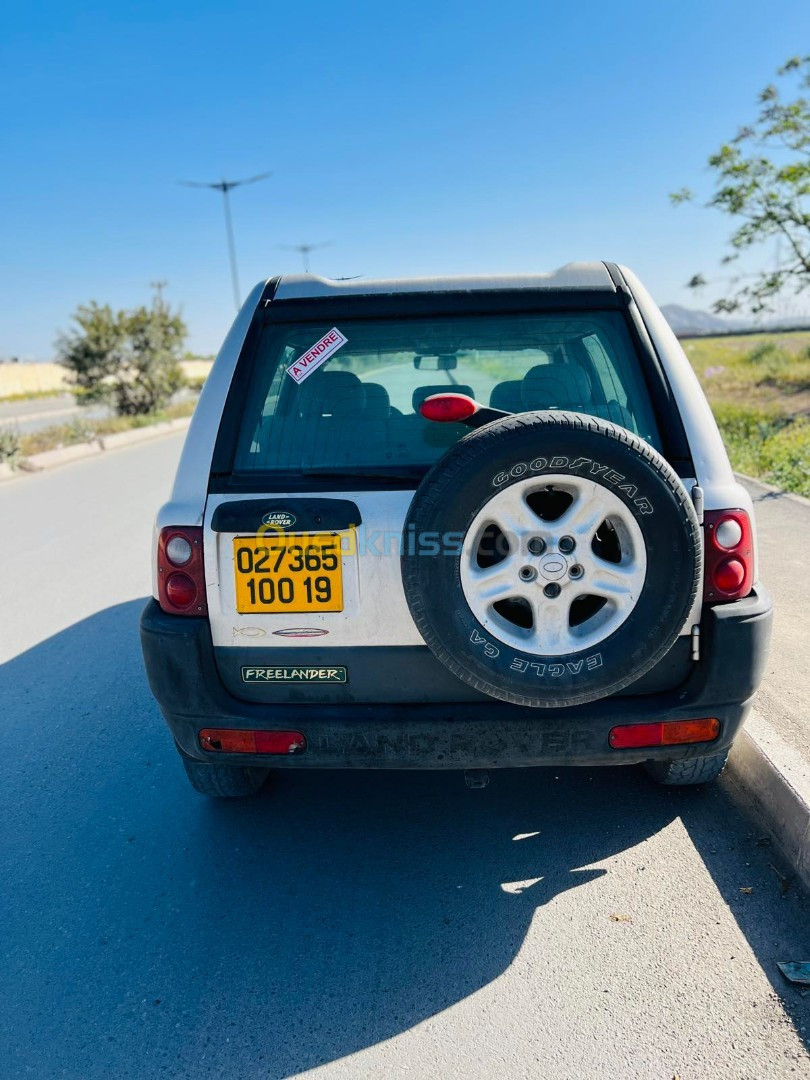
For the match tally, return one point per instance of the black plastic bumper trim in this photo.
(469, 734)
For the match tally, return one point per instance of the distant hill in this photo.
(688, 322)
(685, 320)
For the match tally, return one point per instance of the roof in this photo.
(583, 275)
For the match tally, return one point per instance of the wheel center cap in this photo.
(553, 567)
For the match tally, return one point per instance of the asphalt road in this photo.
(558, 924)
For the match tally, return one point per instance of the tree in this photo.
(762, 178)
(156, 337)
(130, 359)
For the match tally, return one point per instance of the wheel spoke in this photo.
(587, 512)
(501, 581)
(496, 582)
(552, 633)
(614, 581)
(513, 517)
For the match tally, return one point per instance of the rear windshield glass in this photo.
(359, 409)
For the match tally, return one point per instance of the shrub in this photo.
(130, 359)
(763, 351)
(9, 445)
(778, 367)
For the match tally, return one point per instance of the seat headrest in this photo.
(507, 396)
(560, 386)
(422, 392)
(378, 403)
(330, 392)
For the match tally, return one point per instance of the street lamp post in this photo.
(304, 251)
(225, 187)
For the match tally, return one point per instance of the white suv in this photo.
(454, 523)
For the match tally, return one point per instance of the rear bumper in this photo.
(182, 674)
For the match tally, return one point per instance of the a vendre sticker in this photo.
(320, 352)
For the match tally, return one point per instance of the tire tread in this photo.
(223, 781)
(688, 772)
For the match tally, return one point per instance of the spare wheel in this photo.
(569, 558)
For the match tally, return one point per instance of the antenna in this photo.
(225, 186)
(304, 250)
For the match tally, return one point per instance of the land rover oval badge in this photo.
(278, 519)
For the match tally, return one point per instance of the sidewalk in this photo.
(783, 529)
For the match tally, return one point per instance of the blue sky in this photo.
(419, 138)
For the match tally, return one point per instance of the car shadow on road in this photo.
(149, 930)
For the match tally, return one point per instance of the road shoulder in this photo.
(49, 459)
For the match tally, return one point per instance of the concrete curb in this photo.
(137, 435)
(775, 779)
(50, 459)
(791, 496)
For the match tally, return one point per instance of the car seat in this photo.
(556, 386)
(506, 396)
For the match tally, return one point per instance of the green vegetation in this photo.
(9, 446)
(759, 388)
(79, 431)
(129, 359)
(762, 181)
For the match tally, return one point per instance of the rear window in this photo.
(359, 410)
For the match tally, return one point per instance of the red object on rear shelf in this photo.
(444, 407)
(239, 741)
(664, 733)
(181, 588)
(728, 572)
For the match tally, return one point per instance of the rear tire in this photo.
(697, 770)
(223, 781)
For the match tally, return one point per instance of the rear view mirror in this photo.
(440, 362)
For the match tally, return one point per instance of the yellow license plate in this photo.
(288, 573)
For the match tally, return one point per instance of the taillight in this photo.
(239, 741)
(181, 580)
(664, 733)
(729, 556)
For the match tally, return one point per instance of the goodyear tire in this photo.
(551, 559)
